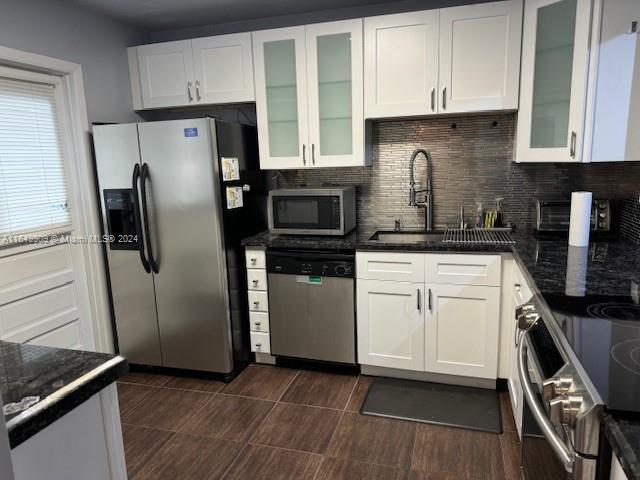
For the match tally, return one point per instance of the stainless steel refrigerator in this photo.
(177, 197)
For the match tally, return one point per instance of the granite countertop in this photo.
(613, 268)
(63, 379)
(359, 239)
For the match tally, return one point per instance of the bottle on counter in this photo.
(479, 216)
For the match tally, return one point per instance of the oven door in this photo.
(547, 453)
(306, 214)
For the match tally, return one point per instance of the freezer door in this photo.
(132, 293)
(185, 230)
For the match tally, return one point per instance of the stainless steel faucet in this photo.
(428, 197)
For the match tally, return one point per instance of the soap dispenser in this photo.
(479, 216)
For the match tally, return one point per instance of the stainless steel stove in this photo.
(578, 356)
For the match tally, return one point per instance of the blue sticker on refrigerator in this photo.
(190, 132)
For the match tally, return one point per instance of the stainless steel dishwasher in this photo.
(311, 305)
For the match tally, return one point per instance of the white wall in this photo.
(98, 43)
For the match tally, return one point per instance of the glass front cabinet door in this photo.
(309, 97)
(553, 80)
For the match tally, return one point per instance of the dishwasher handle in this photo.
(312, 255)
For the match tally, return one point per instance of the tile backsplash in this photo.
(472, 161)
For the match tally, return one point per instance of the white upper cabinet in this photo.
(223, 69)
(190, 72)
(309, 105)
(459, 59)
(401, 64)
(553, 80)
(480, 57)
(166, 74)
(335, 93)
(281, 97)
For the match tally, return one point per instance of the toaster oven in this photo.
(554, 216)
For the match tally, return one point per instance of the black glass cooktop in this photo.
(604, 332)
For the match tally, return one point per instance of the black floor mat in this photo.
(451, 405)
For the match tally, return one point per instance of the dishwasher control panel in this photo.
(306, 263)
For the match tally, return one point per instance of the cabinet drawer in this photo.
(260, 342)
(463, 269)
(259, 321)
(256, 258)
(258, 301)
(401, 267)
(256, 279)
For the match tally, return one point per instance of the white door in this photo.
(280, 67)
(391, 324)
(401, 64)
(334, 80)
(480, 56)
(223, 69)
(166, 74)
(461, 330)
(553, 80)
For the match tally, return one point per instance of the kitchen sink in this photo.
(407, 237)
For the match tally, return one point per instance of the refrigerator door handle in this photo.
(136, 214)
(144, 175)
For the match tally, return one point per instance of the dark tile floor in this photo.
(276, 423)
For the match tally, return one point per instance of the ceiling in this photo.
(169, 14)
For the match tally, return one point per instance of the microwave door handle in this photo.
(564, 454)
(136, 217)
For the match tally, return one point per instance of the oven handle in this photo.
(565, 454)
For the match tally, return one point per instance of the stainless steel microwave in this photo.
(312, 211)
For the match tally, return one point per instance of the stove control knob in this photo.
(340, 270)
(554, 386)
(563, 410)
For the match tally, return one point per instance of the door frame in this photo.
(88, 257)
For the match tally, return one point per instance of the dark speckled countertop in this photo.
(63, 379)
(613, 268)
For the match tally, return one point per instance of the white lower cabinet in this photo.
(390, 324)
(462, 330)
(428, 325)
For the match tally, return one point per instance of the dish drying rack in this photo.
(479, 236)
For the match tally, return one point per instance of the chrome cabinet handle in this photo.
(313, 153)
(258, 345)
(257, 324)
(572, 148)
(254, 261)
(198, 97)
(418, 299)
(304, 154)
(256, 303)
(430, 304)
(564, 454)
(189, 94)
(255, 282)
(444, 98)
(433, 99)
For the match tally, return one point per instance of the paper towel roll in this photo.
(580, 223)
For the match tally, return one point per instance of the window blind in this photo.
(33, 186)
